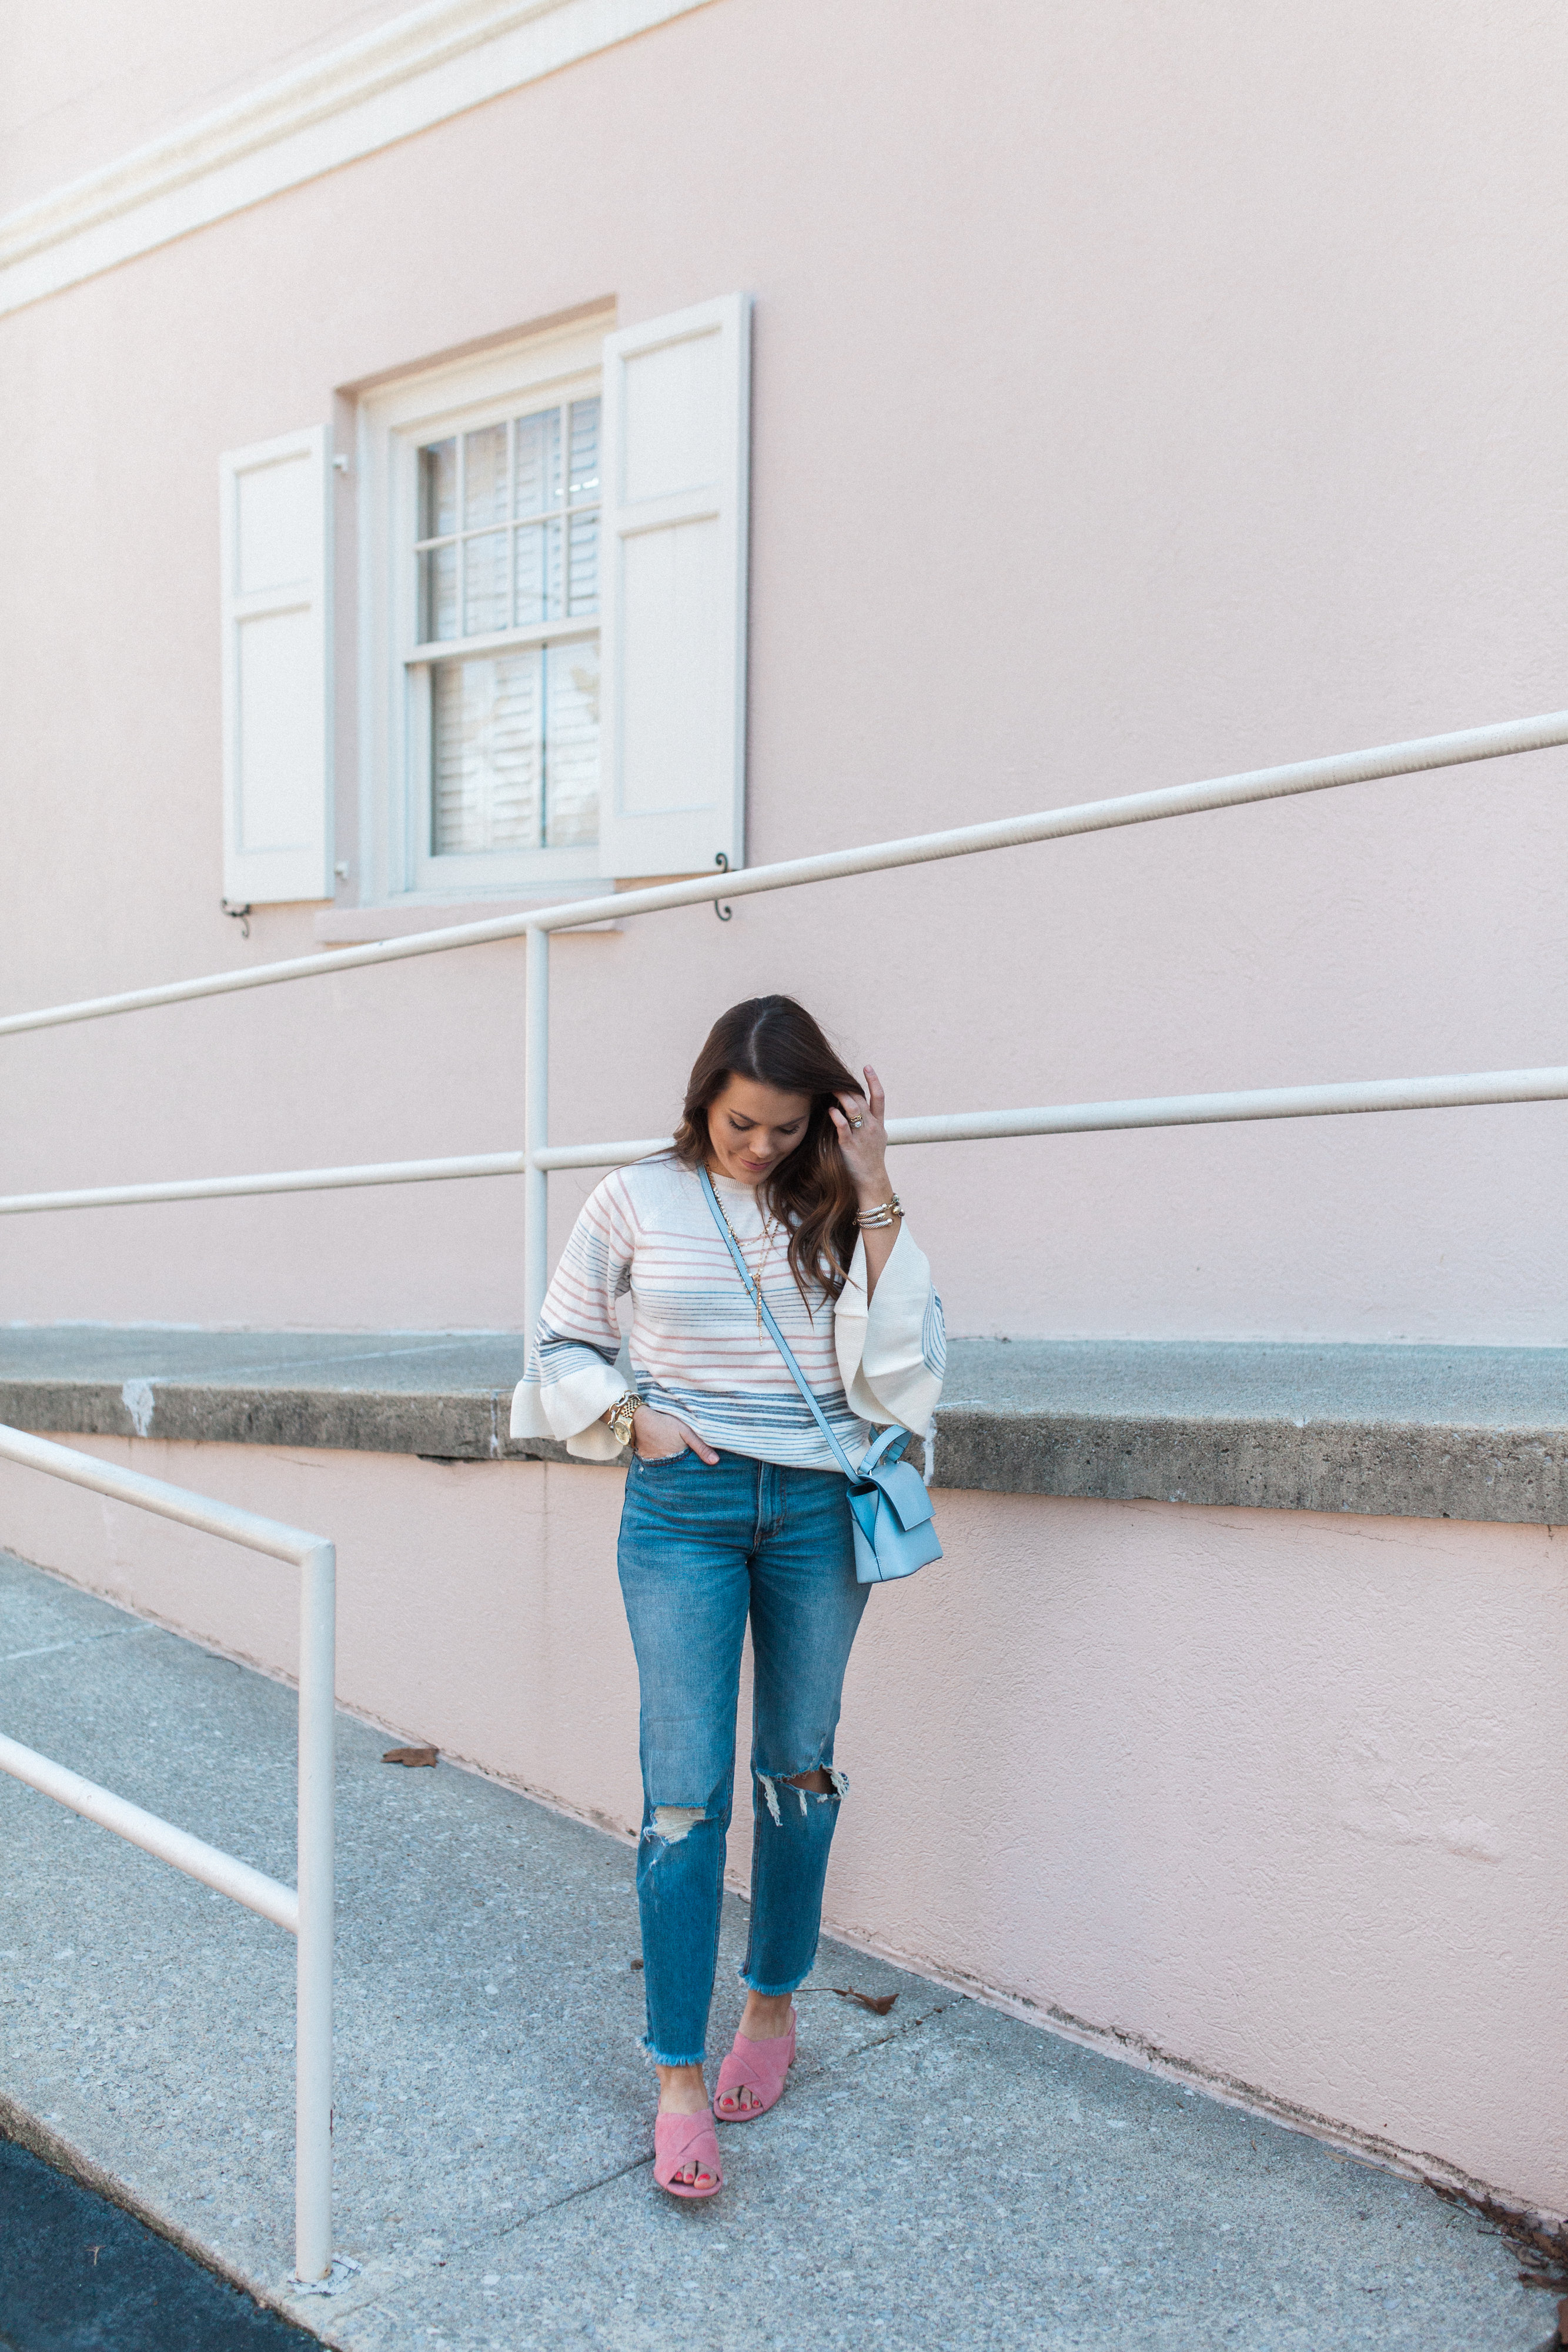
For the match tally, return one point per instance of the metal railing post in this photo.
(313, 2022)
(305, 1909)
(536, 1132)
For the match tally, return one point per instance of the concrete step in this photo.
(1423, 1431)
(945, 2174)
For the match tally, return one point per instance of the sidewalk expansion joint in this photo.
(884, 2041)
(80, 1641)
(524, 2221)
(588, 2188)
(500, 2235)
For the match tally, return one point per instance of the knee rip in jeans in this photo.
(673, 1822)
(838, 1786)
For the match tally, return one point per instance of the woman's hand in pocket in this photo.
(659, 1438)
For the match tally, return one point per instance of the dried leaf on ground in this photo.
(409, 1756)
(636, 1964)
(879, 2003)
(1539, 2237)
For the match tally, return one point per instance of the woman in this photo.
(735, 1505)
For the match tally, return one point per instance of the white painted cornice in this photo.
(413, 71)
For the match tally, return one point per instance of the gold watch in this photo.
(620, 1415)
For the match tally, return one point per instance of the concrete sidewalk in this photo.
(942, 2176)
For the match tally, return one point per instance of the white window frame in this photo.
(394, 422)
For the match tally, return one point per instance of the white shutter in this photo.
(278, 796)
(676, 450)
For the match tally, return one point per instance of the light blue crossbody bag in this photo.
(889, 1505)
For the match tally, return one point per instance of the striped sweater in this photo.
(695, 1347)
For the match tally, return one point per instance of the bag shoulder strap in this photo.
(879, 1444)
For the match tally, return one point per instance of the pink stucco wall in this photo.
(1138, 396)
(1277, 1795)
(87, 81)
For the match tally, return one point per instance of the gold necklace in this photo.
(768, 1232)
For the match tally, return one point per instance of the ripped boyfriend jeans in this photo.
(702, 1545)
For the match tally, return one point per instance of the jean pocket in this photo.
(661, 1461)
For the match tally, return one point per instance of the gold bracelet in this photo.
(882, 1215)
(620, 1415)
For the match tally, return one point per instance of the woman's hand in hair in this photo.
(659, 1438)
(864, 1146)
(864, 1150)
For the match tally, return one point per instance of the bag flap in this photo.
(906, 1490)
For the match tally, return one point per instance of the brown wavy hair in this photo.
(776, 1041)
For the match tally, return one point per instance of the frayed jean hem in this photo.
(768, 1991)
(659, 2058)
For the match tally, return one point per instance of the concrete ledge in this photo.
(1394, 1432)
(1408, 1473)
(432, 1393)
(1399, 1432)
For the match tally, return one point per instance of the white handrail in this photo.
(289, 1180)
(253, 1888)
(1381, 762)
(1155, 1110)
(1340, 768)
(307, 1911)
(1481, 1088)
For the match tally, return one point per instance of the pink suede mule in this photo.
(759, 2067)
(680, 2141)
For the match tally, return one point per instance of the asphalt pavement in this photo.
(79, 2275)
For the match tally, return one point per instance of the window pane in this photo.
(485, 761)
(438, 594)
(571, 758)
(485, 599)
(538, 572)
(584, 448)
(538, 461)
(437, 489)
(485, 477)
(584, 530)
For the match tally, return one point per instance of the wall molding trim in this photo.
(403, 77)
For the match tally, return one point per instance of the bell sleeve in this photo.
(571, 1381)
(892, 1350)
